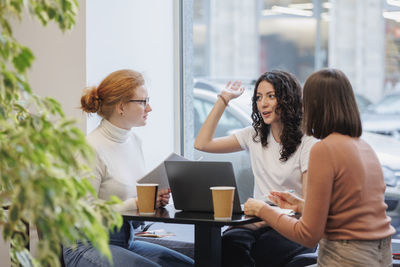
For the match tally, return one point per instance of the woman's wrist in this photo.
(224, 99)
(261, 206)
(300, 206)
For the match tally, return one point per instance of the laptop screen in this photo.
(190, 183)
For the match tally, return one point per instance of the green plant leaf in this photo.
(23, 59)
(7, 231)
(44, 156)
(14, 213)
(5, 26)
(22, 196)
(2, 112)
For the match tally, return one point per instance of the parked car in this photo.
(384, 116)
(234, 117)
(362, 102)
(217, 84)
(388, 152)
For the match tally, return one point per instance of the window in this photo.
(239, 40)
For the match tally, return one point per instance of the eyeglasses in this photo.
(144, 102)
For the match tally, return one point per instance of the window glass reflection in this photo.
(239, 40)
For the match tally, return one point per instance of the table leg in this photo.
(207, 246)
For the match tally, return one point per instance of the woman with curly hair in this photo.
(279, 157)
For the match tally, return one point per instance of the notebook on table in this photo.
(190, 183)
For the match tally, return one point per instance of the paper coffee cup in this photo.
(147, 197)
(223, 202)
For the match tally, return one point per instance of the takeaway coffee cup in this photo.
(147, 196)
(223, 202)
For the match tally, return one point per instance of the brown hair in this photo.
(119, 86)
(329, 105)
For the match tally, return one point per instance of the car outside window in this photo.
(227, 122)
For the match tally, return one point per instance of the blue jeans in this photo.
(261, 247)
(125, 252)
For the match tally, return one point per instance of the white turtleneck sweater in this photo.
(119, 163)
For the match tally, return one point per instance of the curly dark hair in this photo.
(288, 95)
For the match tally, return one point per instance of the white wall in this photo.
(4, 253)
(138, 35)
(59, 67)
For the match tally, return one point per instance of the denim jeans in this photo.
(262, 247)
(125, 252)
(355, 253)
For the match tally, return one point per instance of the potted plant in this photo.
(41, 178)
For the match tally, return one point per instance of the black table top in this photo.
(170, 215)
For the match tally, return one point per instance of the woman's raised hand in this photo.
(286, 200)
(232, 90)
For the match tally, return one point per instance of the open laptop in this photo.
(190, 183)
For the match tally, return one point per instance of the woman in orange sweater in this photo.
(344, 208)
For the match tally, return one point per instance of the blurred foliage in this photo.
(42, 175)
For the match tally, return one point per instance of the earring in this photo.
(122, 113)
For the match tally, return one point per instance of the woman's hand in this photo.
(252, 206)
(232, 90)
(163, 196)
(286, 200)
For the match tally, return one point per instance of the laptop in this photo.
(190, 183)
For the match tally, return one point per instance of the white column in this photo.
(356, 44)
(234, 38)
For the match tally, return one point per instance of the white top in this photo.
(269, 172)
(119, 163)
